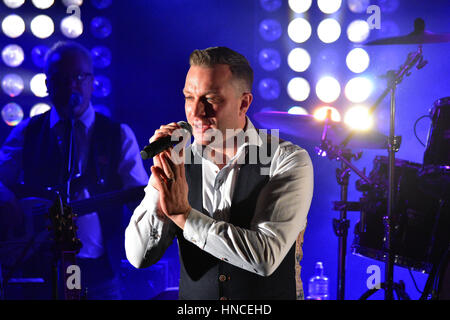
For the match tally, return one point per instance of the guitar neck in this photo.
(110, 199)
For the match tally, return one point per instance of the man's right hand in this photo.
(163, 131)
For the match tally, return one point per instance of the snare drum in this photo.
(412, 217)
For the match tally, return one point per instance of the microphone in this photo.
(163, 143)
(75, 99)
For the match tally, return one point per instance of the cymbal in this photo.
(418, 36)
(308, 128)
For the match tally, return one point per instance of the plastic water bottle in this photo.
(318, 284)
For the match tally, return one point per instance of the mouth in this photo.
(201, 127)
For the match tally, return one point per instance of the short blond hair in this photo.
(239, 66)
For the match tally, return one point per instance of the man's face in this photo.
(214, 101)
(69, 73)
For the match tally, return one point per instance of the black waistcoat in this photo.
(204, 277)
(45, 165)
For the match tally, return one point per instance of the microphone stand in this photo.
(70, 174)
(344, 155)
(394, 78)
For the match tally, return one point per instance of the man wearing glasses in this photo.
(81, 152)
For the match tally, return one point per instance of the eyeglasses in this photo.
(65, 78)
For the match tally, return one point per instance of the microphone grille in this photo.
(186, 126)
(75, 99)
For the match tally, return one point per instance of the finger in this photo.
(167, 167)
(182, 172)
(161, 180)
(157, 161)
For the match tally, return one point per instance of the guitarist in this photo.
(105, 158)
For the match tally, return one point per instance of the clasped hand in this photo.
(168, 177)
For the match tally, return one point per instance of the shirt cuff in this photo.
(196, 228)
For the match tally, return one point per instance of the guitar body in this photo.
(67, 245)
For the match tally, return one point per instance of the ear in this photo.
(246, 101)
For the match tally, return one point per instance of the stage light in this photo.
(299, 59)
(358, 31)
(358, 89)
(42, 26)
(358, 6)
(102, 86)
(68, 3)
(269, 59)
(358, 118)
(269, 88)
(12, 55)
(38, 86)
(329, 30)
(270, 30)
(300, 6)
(328, 89)
(12, 84)
(357, 60)
(299, 30)
(13, 4)
(43, 4)
(101, 27)
(12, 114)
(298, 89)
(71, 27)
(13, 26)
(39, 108)
(269, 5)
(297, 110)
(101, 56)
(321, 113)
(38, 55)
(329, 6)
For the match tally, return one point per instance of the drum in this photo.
(435, 173)
(412, 218)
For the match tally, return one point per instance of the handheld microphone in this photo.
(163, 143)
(75, 99)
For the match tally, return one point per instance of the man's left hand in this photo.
(173, 188)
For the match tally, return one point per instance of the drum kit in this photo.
(405, 207)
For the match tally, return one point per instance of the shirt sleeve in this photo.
(280, 215)
(131, 167)
(147, 237)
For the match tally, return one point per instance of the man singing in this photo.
(236, 220)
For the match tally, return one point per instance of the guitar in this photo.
(67, 245)
(39, 205)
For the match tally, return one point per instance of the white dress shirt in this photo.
(131, 170)
(280, 214)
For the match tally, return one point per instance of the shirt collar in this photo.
(87, 118)
(251, 138)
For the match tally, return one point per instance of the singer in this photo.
(237, 225)
(105, 158)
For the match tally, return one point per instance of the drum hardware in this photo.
(418, 36)
(393, 145)
(433, 286)
(290, 124)
(399, 289)
(435, 173)
(341, 225)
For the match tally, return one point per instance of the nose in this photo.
(197, 108)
